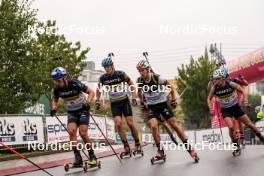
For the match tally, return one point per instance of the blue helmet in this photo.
(58, 73)
(107, 62)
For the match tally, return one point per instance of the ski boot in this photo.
(126, 153)
(138, 150)
(160, 156)
(78, 163)
(93, 162)
(194, 155)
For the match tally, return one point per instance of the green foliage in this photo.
(254, 101)
(195, 77)
(27, 51)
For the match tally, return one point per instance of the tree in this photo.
(27, 51)
(195, 77)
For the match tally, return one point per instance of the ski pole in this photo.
(68, 133)
(106, 138)
(24, 157)
(218, 116)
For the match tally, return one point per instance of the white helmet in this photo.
(219, 73)
(143, 64)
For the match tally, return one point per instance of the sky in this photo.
(169, 30)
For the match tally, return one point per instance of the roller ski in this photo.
(237, 151)
(138, 150)
(78, 163)
(127, 153)
(160, 156)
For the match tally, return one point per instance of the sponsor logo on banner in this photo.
(21, 130)
(147, 137)
(128, 135)
(7, 131)
(30, 131)
(213, 136)
(56, 132)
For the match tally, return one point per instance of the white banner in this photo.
(55, 131)
(110, 126)
(260, 126)
(93, 131)
(213, 136)
(21, 130)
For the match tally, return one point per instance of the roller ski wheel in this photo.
(69, 166)
(66, 167)
(85, 167)
(236, 152)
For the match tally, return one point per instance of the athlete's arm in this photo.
(90, 93)
(131, 84)
(140, 96)
(98, 92)
(209, 98)
(54, 104)
(54, 99)
(172, 92)
(132, 89)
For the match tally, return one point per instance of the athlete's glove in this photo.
(134, 102)
(86, 107)
(97, 105)
(173, 104)
(53, 112)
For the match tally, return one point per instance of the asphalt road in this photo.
(215, 163)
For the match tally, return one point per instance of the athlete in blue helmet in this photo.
(119, 101)
(72, 91)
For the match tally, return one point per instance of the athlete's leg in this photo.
(72, 129)
(134, 131)
(179, 130)
(246, 120)
(119, 127)
(230, 124)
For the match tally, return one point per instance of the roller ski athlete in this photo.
(73, 93)
(116, 81)
(239, 132)
(152, 87)
(144, 108)
(226, 93)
